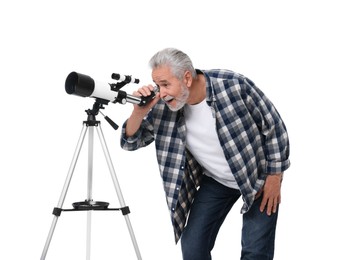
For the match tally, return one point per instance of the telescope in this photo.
(84, 86)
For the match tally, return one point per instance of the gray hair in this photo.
(178, 61)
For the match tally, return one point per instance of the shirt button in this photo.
(182, 167)
(173, 209)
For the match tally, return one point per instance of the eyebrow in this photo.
(162, 81)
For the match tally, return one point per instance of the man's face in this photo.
(172, 90)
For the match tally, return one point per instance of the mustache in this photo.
(168, 98)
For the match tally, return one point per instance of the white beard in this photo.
(180, 101)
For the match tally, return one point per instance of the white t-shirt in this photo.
(202, 141)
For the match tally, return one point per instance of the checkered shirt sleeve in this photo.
(252, 133)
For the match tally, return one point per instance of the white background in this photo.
(288, 48)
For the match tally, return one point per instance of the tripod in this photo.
(89, 205)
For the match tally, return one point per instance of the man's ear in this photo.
(188, 78)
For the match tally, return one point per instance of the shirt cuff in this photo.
(277, 167)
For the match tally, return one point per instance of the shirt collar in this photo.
(210, 96)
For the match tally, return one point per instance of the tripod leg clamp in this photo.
(125, 210)
(57, 212)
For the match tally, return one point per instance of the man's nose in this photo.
(162, 92)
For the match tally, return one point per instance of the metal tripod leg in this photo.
(64, 190)
(89, 190)
(117, 189)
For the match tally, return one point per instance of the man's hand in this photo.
(145, 91)
(271, 194)
(138, 113)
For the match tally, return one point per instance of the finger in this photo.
(276, 204)
(148, 89)
(269, 207)
(263, 204)
(274, 209)
(143, 91)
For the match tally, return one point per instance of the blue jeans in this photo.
(211, 205)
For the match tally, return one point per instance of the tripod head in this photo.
(92, 113)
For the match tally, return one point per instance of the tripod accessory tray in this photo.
(90, 205)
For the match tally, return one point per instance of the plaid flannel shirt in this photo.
(251, 132)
